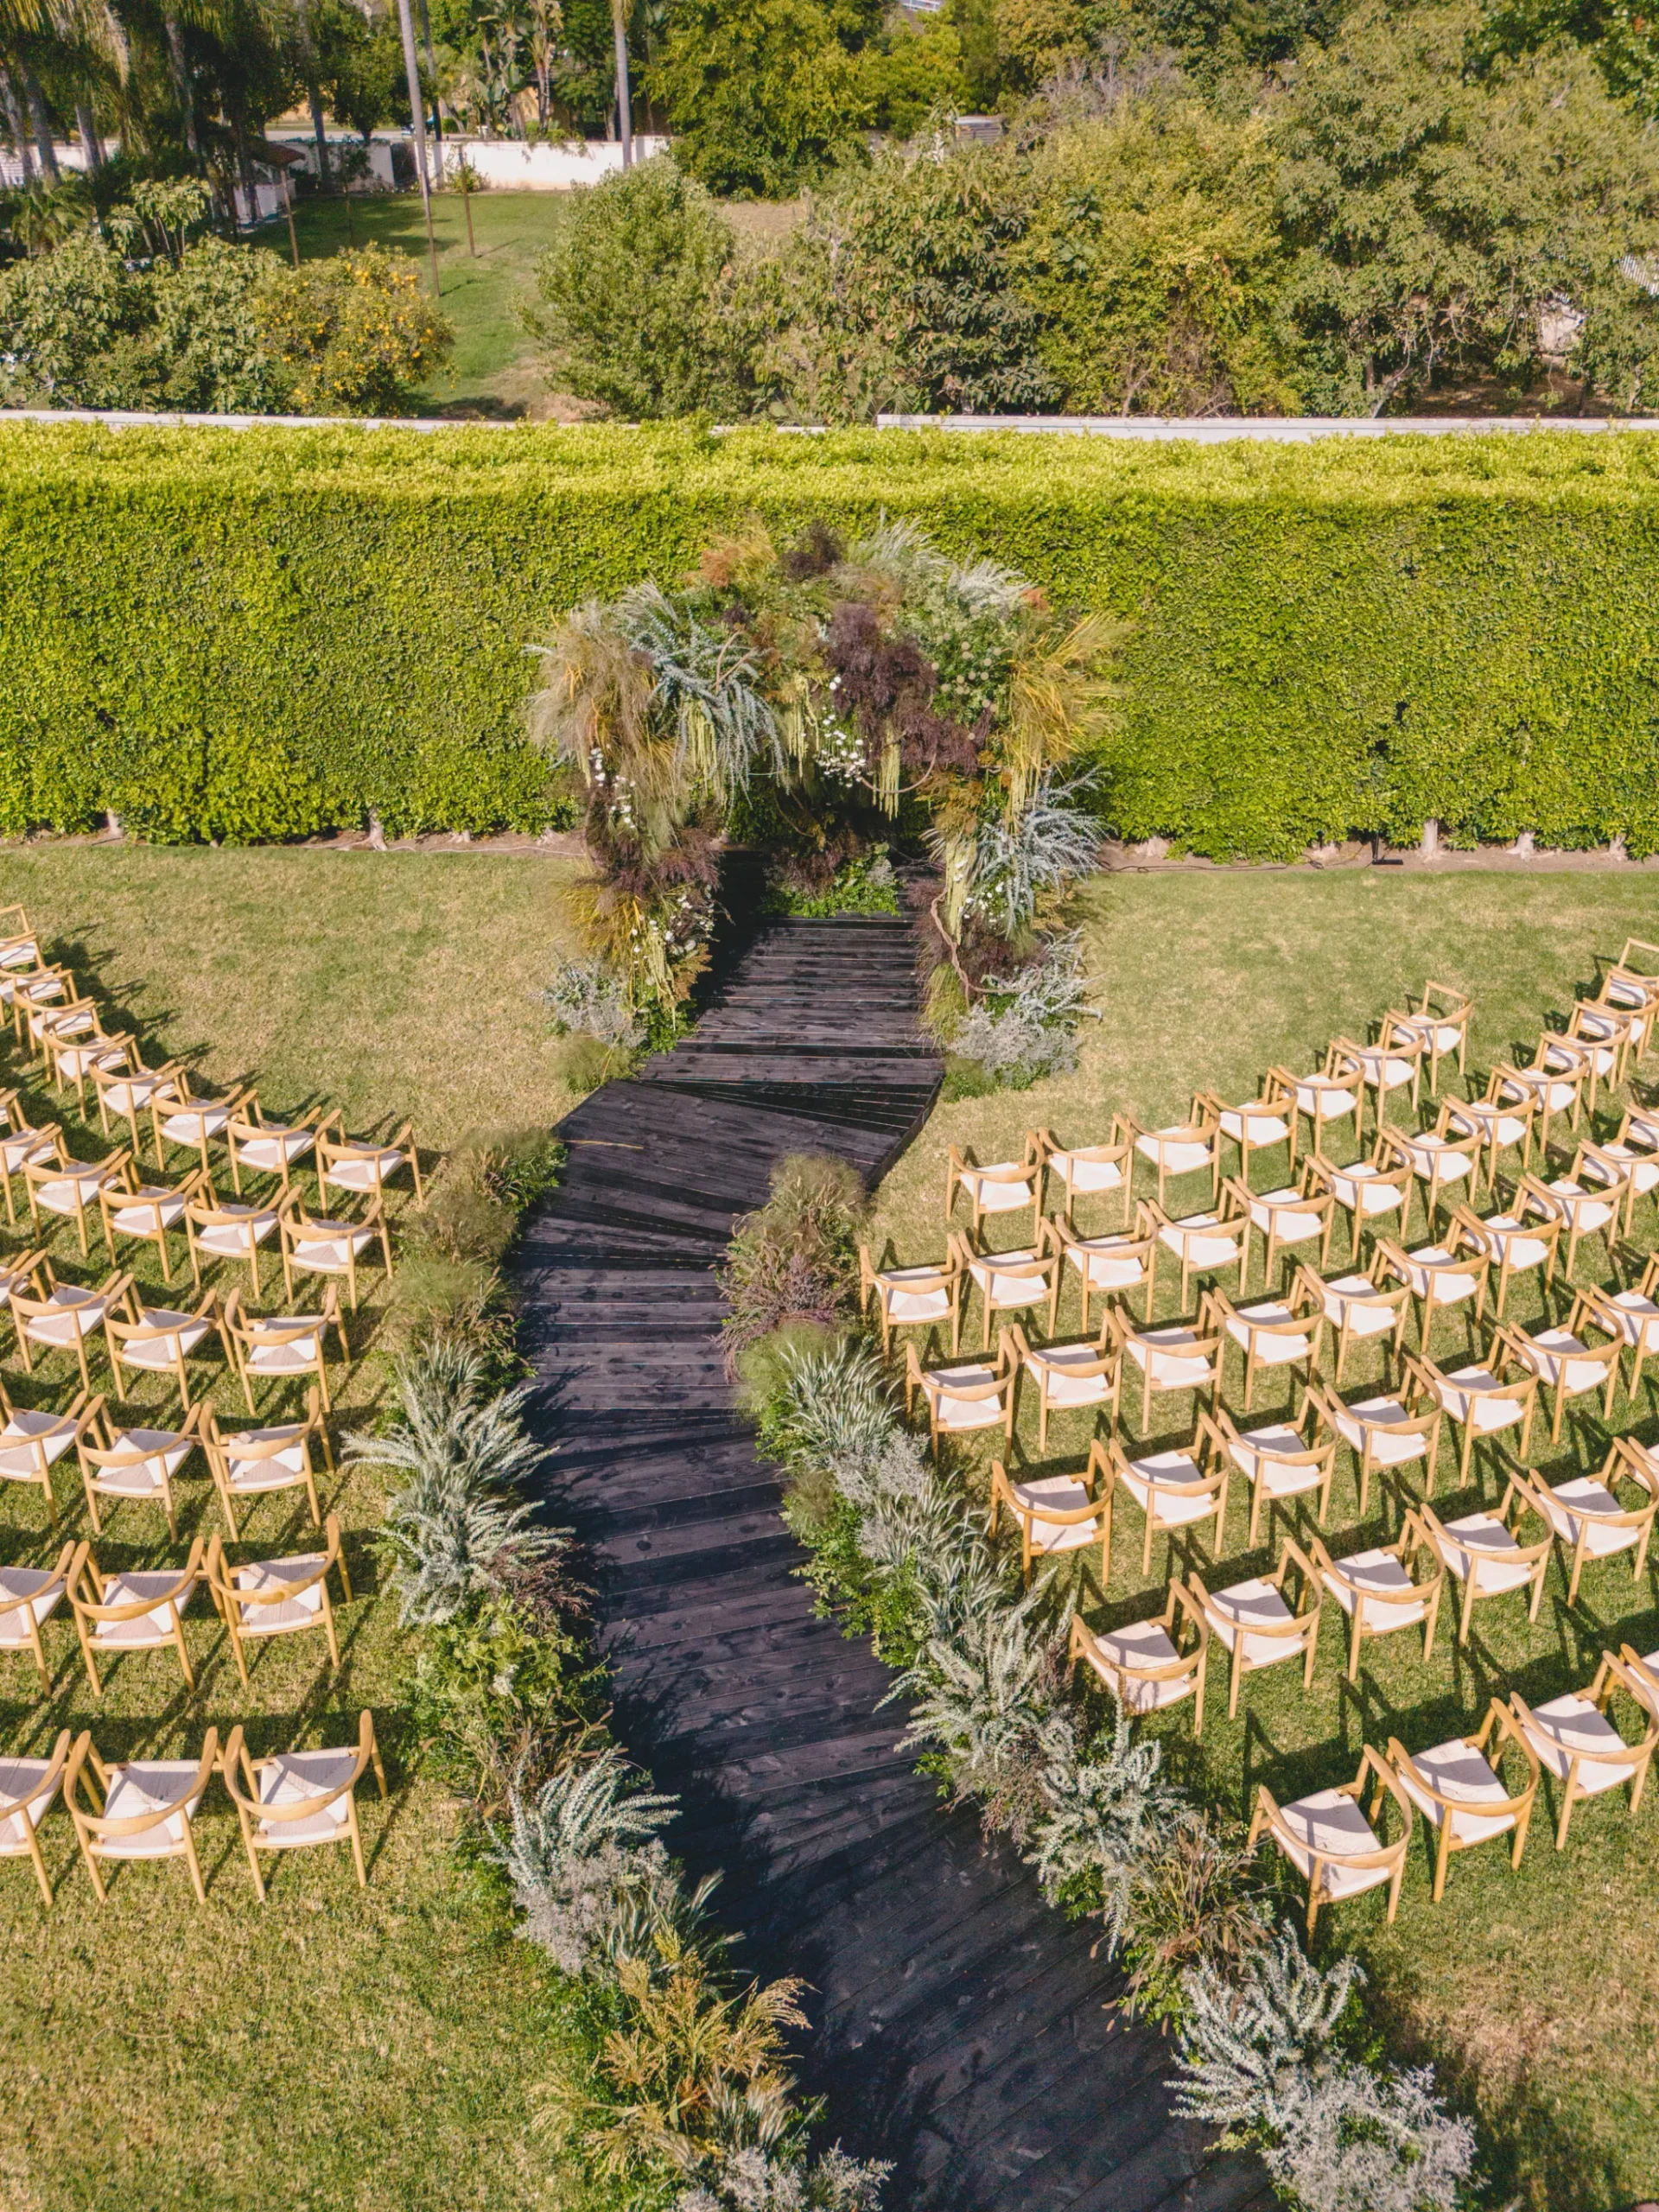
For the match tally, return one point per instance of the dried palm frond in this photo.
(1059, 702)
(593, 707)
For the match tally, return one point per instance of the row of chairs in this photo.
(146, 1808)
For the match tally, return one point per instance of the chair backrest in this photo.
(236, 1601)
(85, 1587)
(238, 1770)
(96, 1827)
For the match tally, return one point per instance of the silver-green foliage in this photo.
(1017, 858)
(584, 1860)
(1024, 1028)
(706, 682)
(587, 1000)
(1110, 1810)
(754, 2180)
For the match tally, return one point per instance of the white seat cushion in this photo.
(286, 1356)
(69, 1192)
(1270, 1350)
(269, 1148)
(1174, 1151)
(1057, 1369)
(1162, 1353)
(1468, 1395)
(1638, 1319)
(901, 1303)
(301, 1610)
(1570, 1506)
(1434, 1274)
(145, 1786)
(1330, 1821)
(147, 1629)
(1248, 1607)
(1433, 1028)
(74, 1313)
(1550, 1353)
(364, 1172)
(1170, 1487)
(1188, 1238)
(28, 1437)
(17, 1778)
(179, 1335)
(996, 1197)
(333, 1254)
(1612, 1160)
(955, 1412)
(1481, 1541)
(1085, 1174)
(1385, 1595)
(1488, 1122)
(999, 1282)
(164, 1452)
(1254, 1129)
(1106, 1268)
(1260, 1453)
(272, 1471)
(1456, 1769)
(1057, 1494)
(1570, 1725)
(293, 1778)
(1578, 1206)
(1349, 1299)
(143, 1209)
(1356, 1186)
(26, 1148)
(235, 1238)
(1431, 1155)
(1384, 1067)
(131, 1092)
(1138, 1649)
(1275, 1213)
(190, 1124)
(1322, 1100)
(26, 1590)
(1498, 1237)
(1379, 1416)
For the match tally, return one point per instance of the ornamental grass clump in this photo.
(582, 1854)
(797, 1258)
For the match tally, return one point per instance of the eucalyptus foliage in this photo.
(586, 999)
(582, 1854)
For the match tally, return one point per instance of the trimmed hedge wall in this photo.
(260, 633)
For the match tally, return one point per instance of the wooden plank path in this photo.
(961, 2026)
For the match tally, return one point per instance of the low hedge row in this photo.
(256, 635)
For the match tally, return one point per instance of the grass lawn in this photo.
(375, 2050)
(1538, 1991)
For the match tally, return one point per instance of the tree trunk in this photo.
(86, 122)
(42, 122)
(313, 89)
(624, 93)
(437, 104)
(16, 125)
(182, 84)
(245, 164)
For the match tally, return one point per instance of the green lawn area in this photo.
(1538, 1993)
(360, 2052)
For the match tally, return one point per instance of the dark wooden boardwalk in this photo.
(961, 2026)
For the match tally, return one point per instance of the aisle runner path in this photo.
(961, 2024)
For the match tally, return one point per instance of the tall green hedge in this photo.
(258, 633)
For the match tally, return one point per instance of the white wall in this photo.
(69, 158)
(506, 165)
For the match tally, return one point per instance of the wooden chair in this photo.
(285, 1347)
(127, 1089)
(1573, 1049)
(1328, 1839)
(1580, 1745)
(133, 1466)
(1068, 1378)
(33, 1442)
(264, 1147)
(1006, 1187)
(25, 1144)
(27, 1788)
(1632, 1315)
(252, 1463)
(75, 1045)
(1481, 1551)
(1054, 1514)
(28, 1597)
(1382, 1433)
(69, 1188)
(148, 1807)
(922, 1298)
(1643, 1674)
(293, 1801)
(139, 1611)
(1173, 1490)
(1567, 1366)
(146, 1213)
(1617, 1033)
(20, 945)
(1615, 1168)
(1142, 1663)
(278, 1597)
(1377, 1591)
(1440, 1161)
(1084, 1171)
(1108, 1266)
(1368, 1190)
(1257, 1625)
(1176, 1356)
(32, 993)
(1359, 1309)
(229, 1232)
(161, 1339)
(1437, 1024)
(1547, 1091)
(1258, 1125)
(1461, 1794)
(1285, 1220)
(1382, 1069)
(1587, 1518)
(1581, 1211)
(1009, 1282)
(1274, 1333)
(1476, 1400)
(65, 1317)
(1501, 1124)
(1204, 1244)
(318, 1247)
(1514, 1243)
(1183, 1148)
(364, 1166)
(189, 1121)
(1321, 1098)
(1287, 1459)
(1440, 1279)
(966, 1397)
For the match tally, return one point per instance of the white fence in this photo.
(1269, 429)
(504, 164)
(11, 167)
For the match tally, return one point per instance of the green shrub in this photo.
(797, 1258)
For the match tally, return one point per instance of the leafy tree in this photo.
(210, 357)
(1436, 214)
(352, 335)
(1155, 261)
(1623, 36)
(637, 298)
(913, 70)
(71, 325)
(762, 95)
(1036, 37)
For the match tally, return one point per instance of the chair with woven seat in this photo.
(1559, 1053)
(922, 1298)
(362, 1166)
(1142, 1663)
(1087, 1171)
(1182, 1148)
(1378, 1591)
(182, 1118)
(1382, 1433)
(1054, 1514)
(1546, 1091)
(1107, 1267)
(1256, 1125)
(1501, 1124)
(1437, 1022)
(315, 1246)
(27, 1788)
(1441, 1162)
(1009, 1282)
(133, 1466)
(1514, 1243)
(221, 1230)
(1476, 1399)
(282, 1347)
(66, 1317)
(278, 1597)
(76, 1047)
(1368, 1191)
(28, 1597)
(1273, 1333)
(23, 1144)
(1597, 1038)
(1459, 1790)
(1359, 1309)
(36, 992)
(1382, 1069)
(1631, 1314)
(1328, 1839)
(967, 1396)
(1321, 1099)
(148, 1807)
(1068, 1378)
(1007, 1186)
(293, 1801)
(1173, 1490)
(1582, 1211)
(69, 1188)
(1285, 1460)
(1441, 1278)
(1575, 1740)
(259, 1146)
(126, 1088)
(33, 1440)
(249, 1464)
(1285, 1219)
(19, 944)
(1202, 1244)
(161, 1339)
(1589, 1519)
(137, 1611)
(1173, 1358)
(1567, 1366)
(146, 1213)
(1617, 1165)
(1257, 1624)
(1481, 1551)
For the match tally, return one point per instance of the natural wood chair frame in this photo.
(244, 1333)
(1028, 1516)
(133, 1196)
(1508, 1083)
(94, 1830)
(1180, 1234)
(1611, 1676)
(1404, 1266)
(1317, 1459)
(1501, 1723)
(1109, 1464)
(1317, 1292)
(1300, 1200)
(1622, 1464)
(84, 1575)
(253, 1224)
(1435, 1147)
(1269, 1818)
(65, 1434)
(1426, 1023)
(21, 1141)
(964, 1175)
(28, 1313)
(54, 1587)
(1235, 1124)
(249, 1126)
(1363, 1220)
(1299, 1635)
(935, 1386)
(241, 1610)
(1368, 1600)
(1369, 1065)
(99, 1460)
(1105, 1368)
(178, 1101)
(1207, 1348)
(1118, 1153)
(1535, 1558)
(1523, 1349)
(997, 1276)
(336, 1148)
(248, 1448)
(1612, 1167)
(1247, 1329)
(1471, 1231)
(18, 1809)
(1487, 1118)
(1152, 1144)
(135, 1078)
(1296, 1092)
(1118, 1249)
(1181, 1610)
(85, 1178)
(885, 1285)
(1426, 1427)
(298, 1229)
(240, 1773)
(140, 1328)
(1431, 1383)
(1638, 1328)
(1568, 1207)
